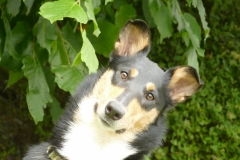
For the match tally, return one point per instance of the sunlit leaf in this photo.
(90, 13)
(88, 54)
(57, 10)
(106, 1)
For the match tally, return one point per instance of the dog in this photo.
(119, 112)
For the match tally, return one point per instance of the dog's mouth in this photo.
(106, 124)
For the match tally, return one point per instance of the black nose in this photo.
(114, 110)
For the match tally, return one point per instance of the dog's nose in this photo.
(114, 110)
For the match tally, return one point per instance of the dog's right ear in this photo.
(183, 82)
(133, 38)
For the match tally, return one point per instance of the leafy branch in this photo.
(59, 45)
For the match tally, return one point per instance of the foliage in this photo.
(46, 50)
(55, 47)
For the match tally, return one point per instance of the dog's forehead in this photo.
(143, 70)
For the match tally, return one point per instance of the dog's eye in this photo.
(150, 97)
(124, 75)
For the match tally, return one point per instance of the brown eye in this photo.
(150, 97)
(124, 75)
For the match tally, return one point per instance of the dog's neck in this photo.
(88, 136)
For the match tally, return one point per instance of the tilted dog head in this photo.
(134, 92)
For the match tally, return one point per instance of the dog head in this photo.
(134, 91)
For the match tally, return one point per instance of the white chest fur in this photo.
(89, 140)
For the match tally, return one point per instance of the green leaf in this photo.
(28, 4)
(177, 14)
(38, 91)
(73, 38)
(96, 3)
(202, 14)
(8, 41)
(104, 43)
(13, 7)
(35, 106)
(67, 77)
(59, 51)
(73, 41)
(14, 77)
(2, 39)
(57, 10)
(9, 62)
(36, 79)
(118, 3)
(192, 26)
(2, 1)
(192, 58)
(90, 13)
(106, 1)
(147, 14)
(20, 33)
(185, 38)
(162, 18)
(200, 51)
(46, 33)
(189, 2)
(194, 32)
(88, 54)
(55, 110)
(123, 14)
(77, 60)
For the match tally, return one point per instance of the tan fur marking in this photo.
(182, 85)
(133, 73)
(138, 117)
(132, 40)
(104, 89)
(150, 86)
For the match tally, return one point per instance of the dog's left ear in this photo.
(133, 38)
(184, 82)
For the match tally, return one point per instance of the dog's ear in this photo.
(183, 83)
(133, 37)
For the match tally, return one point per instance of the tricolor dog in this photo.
(119, 113)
